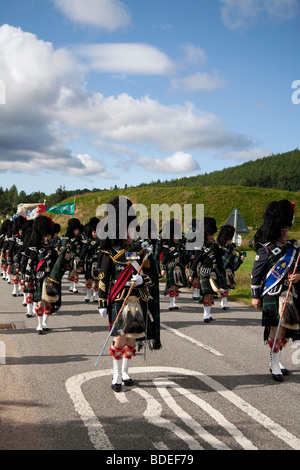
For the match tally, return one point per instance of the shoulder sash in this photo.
(278, 271)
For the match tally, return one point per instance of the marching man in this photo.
(119, 261)
(275, 280)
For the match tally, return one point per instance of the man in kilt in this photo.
(88, 258)
(14, 254)
(119, 259)
(173, 261)
(207, 267)
(272, 274)
(41, 259)
(231, 260)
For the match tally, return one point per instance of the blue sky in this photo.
(98, 93)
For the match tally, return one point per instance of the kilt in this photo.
(205, 287)
(270, 313)
(172, 280)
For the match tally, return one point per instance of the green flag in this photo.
(66, 208)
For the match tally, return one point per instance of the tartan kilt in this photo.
(205, 287)
(270, 312)
(38, 289)
(171, 281)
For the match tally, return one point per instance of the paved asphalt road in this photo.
(209, 387)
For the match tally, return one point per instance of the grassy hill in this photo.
(219, 201)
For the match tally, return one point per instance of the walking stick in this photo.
(149, 250)
(285, 302)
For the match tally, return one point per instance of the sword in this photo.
(285, 302)
(148, 249)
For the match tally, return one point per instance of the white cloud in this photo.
(180, 162)
(193, 54)
(109, 15)
(237, 14)
(48, 110)
(199, 81)
(126, 58)
(31, 139)
(126, 120)
(245, 155)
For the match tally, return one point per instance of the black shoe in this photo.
(128, 382)
(208, 320)
(277, 377)
(171, 308)
(284, 371)
(116, 387)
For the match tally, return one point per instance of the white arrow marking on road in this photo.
(96, 431)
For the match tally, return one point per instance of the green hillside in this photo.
(219, 201)
(281, 171)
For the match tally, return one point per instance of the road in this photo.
(209, 387)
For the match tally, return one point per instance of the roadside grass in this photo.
(242, 292)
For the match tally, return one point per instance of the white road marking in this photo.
(216, 415)
(96, 431)
(160, 446)
(192, 340)
(2, 352)
(121, 397)
(153, 416)
(185, 417)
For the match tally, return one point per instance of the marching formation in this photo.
(122, 274)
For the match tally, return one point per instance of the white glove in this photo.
(137, 279)
(103, 312)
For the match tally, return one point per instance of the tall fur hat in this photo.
(210, 225)
(226, 233)
(278, 215)
(119, 215)
(148, 228)
(42, 225)
(73, 224)
(18, 223)
(56, 228)
(91, 226)
(172, 229)
(6, 227)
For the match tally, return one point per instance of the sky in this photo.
(105, 93)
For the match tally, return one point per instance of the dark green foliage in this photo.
(281, 171)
